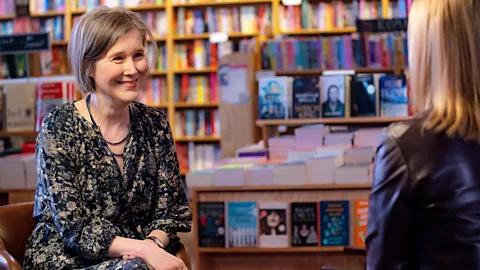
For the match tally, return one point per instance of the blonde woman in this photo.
(425, 201)
(109, 195)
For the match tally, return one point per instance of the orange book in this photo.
(361, 219)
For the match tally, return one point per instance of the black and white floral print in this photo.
(83, 201)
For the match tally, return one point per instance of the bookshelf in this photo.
(277, 258)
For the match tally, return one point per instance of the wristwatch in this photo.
(157, 241)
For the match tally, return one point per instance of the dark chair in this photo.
(16, 225)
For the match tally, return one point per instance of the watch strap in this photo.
(157, 241)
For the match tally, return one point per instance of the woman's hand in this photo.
(159, 259)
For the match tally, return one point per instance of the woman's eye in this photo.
(138, 55)
(117, 58)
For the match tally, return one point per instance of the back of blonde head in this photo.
(444, 59)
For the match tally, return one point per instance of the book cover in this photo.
(361, 220)
(335, 223)
(363, 96)
(211, 224)
(306, 97)
(305, 224)
(393, 96)
(242, 224)
(273, 95)
(273, 224)
(333, 96)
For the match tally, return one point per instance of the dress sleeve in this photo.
(390, 222)
(172, 212)
(81, 232)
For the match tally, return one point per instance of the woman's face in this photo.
(121, 72)
(273, 220)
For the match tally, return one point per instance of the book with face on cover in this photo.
(273, 224)
(305, 224)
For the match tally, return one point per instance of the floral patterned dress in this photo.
(83, 201)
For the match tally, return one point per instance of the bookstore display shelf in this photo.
(300, 32)
(7, 17)
(143, 7)
(17, 133)
(339, 121)
(204, 3)
(273, 250)
(19, 195)
(161, 106)
(185, 105)
(319, 72)
(288, 258)
(195, 71)
(286, 188)
(198, 139)
(50, 13)
(207, 35)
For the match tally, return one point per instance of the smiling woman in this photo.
(109, 194)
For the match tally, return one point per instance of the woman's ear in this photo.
(91, 74)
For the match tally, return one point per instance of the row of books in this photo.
(87, 4)
(155, 92)
(384, 95)
(194, 156)
(244, 19)
(196, 89)
(233, 224)
(53, 25)
(317, 15)
(336, 52)
(41, 6)
(202, 54)
(372, 9)
(200, 123)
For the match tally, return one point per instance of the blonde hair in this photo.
(444, 60)
(95, 33)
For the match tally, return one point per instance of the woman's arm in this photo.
(172, 213)
(390, 223)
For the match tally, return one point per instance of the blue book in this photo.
(242, 224)
(335, 223)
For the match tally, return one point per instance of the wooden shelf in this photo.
(340, 121)
(222, 3)
(50, 13)
(346, 30)
(17, 190)
(59, 43)
(207, 36)
(158, 72)
(18, 133)
(161, 106)
(288, 188)
(319, 72)
(7, 17)
(144, 7)
(196, 105)
(272, 250)
(197, 139)
(195, 71)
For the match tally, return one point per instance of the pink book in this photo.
(213, 86)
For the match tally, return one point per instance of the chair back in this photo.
(16, 225)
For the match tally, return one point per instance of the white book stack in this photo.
(338, 138)
(278, 147)
(260, 175)
(290, 173)
(200, 178)
(359, 155)
(352, 174)
(367, 137)
(310, 137)
(231, 175)
(18, 171)
(301, 155)
(321, 167)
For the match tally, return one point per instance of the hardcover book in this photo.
(305, 224)
(335, 223)
(211, 224)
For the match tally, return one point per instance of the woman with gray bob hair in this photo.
(109, 193)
